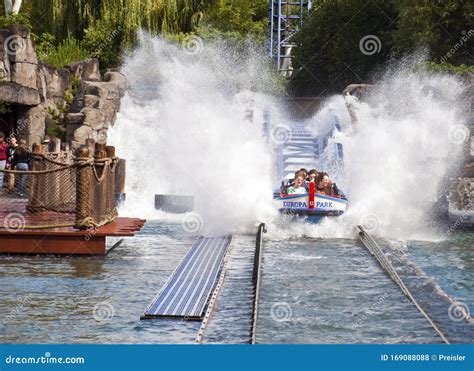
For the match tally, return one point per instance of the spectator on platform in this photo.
(3, 157)
(21, 162)
(12, 146)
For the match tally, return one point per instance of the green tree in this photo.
(330, 54)
(243, 17)
(445, 28)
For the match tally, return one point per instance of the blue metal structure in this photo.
(286, 19)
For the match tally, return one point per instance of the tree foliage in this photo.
(438, 26)
(330, 57)
(330, 52)
(105, 28)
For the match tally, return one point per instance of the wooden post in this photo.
(54, 145)
(84, 217)
(120, 171)
(100, 152)
(110, 181)
(100, 189)
(35, 200)
(90, 143)
(110, 151)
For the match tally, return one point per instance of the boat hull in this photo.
(302, 206)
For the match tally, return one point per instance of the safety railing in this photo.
(59, 188)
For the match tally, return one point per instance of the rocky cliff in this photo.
(29, 87)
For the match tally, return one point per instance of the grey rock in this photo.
(35, 118)
(91, 101)
(93, 118)
(56, 79)
(24, 74)
(82, 133)
(20, 49)
(87, 70)
(19, 30)
(75, 118)
(118, 79)
(5, 70)
(17, 94)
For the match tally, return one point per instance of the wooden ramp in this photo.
(189, 288)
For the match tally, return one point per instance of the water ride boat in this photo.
(312, 205)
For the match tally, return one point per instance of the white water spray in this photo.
(192, 124)
(398, 158)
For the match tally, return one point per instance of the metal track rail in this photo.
(256, 277)
(212, 304)
(378, 254)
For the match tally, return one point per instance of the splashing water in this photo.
(191, 124)
(399, 157)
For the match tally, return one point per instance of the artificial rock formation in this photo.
(29, 87)
(461, 192)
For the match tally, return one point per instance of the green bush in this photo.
(20, 18)
(103, 39)
(446, 67)
(69, 51)
(44, 45)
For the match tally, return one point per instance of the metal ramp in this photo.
(297, 152)
(189, 288)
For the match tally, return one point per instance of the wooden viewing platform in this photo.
(66, 204)
(66, 240)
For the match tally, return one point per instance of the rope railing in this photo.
(62, 189)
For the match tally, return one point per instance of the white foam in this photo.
(183, 130)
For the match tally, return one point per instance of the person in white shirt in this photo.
(298, 186)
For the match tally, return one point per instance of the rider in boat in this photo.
(312, 175)
(325, 186)
(298, 187)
